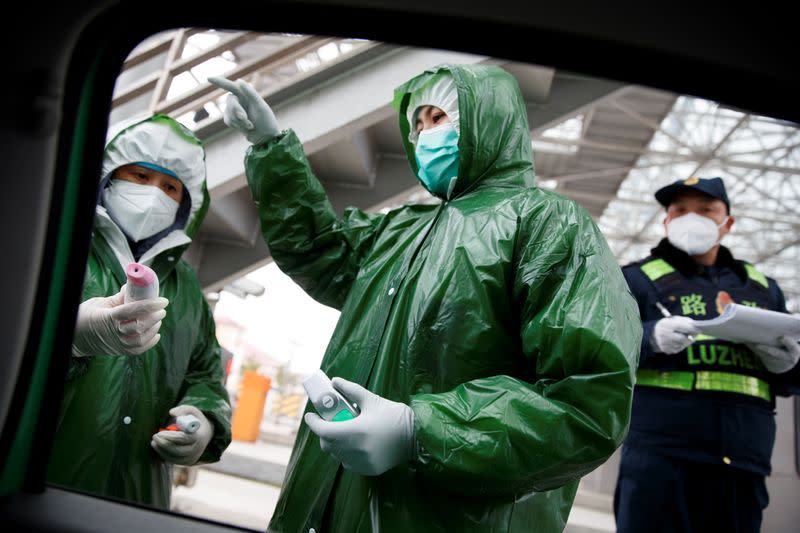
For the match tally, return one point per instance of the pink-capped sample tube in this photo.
(142, 283)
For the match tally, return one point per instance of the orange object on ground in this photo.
(250, 407)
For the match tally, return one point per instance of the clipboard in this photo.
(751, 325)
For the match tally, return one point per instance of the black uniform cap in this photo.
(713, 187)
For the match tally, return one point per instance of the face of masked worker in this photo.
(142, 201)
(436, 150)
(696, 222)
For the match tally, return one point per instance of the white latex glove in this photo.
(181, 448)
(246, 112)
(107, 326)
(778, 359)
(673, 334)
(378, 439)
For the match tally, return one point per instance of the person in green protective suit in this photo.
(136, 365)
(489, 341)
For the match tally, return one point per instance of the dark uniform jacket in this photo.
(713, 402)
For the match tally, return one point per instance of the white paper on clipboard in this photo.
(740, 323)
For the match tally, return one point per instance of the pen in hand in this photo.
(667, 314)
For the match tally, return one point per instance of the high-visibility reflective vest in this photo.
(708, 363)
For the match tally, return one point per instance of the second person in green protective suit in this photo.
(489, 341)
(135, 365)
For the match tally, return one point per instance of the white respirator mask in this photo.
(693, 233)
(140, 211)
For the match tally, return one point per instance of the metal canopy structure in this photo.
(606, 144)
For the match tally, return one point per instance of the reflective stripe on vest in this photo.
(756, 276)
(705, 380)
(656, 268)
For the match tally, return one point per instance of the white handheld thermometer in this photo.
(185, 423)
(328, 402)
(142, 283)
(188, 423)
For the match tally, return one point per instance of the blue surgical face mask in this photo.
(437, 159)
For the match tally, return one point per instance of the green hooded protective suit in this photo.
(113, 405)
(499, 316)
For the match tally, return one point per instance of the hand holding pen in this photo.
(672, 334)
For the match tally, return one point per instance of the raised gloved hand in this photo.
(107, 326)
(378, 439)
(246, 111)
(778, 359)
(181, 448)
(673, 334)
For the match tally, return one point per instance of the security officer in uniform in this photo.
(702, 426)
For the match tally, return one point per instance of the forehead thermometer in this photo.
(329, 403)
(142, 283)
